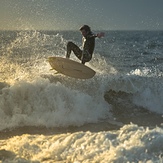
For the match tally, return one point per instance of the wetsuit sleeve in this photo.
(91, 36)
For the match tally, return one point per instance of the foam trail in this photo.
(129, 144)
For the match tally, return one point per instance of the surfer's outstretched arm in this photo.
(101, 34)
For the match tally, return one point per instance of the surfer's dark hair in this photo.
(86, 28)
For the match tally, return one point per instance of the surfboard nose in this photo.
(51, 59)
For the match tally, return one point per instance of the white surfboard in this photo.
(71, 68)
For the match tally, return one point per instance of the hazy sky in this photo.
(71, 14)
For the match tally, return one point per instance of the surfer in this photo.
(84, 55)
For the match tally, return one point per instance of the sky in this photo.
(71, 14)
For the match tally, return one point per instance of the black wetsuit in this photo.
(84, 55)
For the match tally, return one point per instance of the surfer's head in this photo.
(85, 29)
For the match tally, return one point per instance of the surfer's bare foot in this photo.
(67, 56)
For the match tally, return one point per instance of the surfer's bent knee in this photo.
(70, 44)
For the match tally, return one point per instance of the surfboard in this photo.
(71, 68)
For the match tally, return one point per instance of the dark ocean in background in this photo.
(116, 116)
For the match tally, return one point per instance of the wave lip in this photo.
(41, 103)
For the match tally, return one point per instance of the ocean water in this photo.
(114, 117)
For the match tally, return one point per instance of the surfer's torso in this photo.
(88, 46)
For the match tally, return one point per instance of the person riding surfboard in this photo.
(84, 55)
